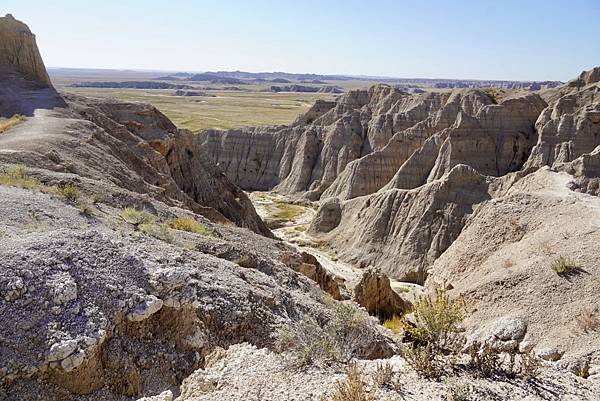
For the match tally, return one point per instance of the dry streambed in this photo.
(290, 220)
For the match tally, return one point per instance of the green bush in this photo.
(135, 217)
(70, 193)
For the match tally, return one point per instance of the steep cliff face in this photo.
(356, 146)
(570, 126)
(19, 51)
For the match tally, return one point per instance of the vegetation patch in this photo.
(564, 266)
(190, 225)
(8, 123)
(158, 231)
(70, 192)
(18, 177)
(351, 389)
(335, 342)
(135, 217)
(395, 324)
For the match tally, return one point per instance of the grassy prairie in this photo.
(223, 109)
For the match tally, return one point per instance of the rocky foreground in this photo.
(131, 266)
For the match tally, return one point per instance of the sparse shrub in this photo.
(70, 193)
(587, 321)
(306, 343)
(159, 231)
(35, 222)
(18, 177)
(563, 265)
(458, 392)
(484, 360)
(352, 389)
(437, 319)
(190, 224)
(338, 341)
(489, 362)
(95, 198)
(394, 324)
(86, 209)
(384, 375)
(422, 359)
(135, 217)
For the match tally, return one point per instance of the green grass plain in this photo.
(227, 109)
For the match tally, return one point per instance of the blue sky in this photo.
(505, 39)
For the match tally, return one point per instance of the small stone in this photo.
(146, 309)
(61, 350)
(549, 354)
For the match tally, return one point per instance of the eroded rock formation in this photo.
(19, 51)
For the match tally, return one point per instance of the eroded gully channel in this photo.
(290, 221)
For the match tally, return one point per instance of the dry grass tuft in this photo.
(508, 263)
(562, 265)
(352, 389)
(394, 324)
(190, 225)
(587, 321)
(8, 123)
(18, 177)
(384, 375)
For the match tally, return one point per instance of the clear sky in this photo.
(484, 39)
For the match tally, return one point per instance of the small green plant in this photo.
(135, 217)
(562, 265)
(70, 192)
(18, 177)
(437, 319)
(190, 224)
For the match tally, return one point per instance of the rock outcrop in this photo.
(19, 51)
(375, 294)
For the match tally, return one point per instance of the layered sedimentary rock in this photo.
(19, 51)
(355, 146)
(570, 126)
(403, 231)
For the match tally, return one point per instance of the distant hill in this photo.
(242, 77)
(130, 85)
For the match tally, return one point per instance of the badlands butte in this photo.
(446, 246)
